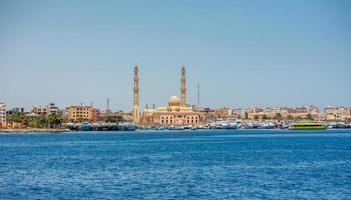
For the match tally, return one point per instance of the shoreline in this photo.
(33, 130)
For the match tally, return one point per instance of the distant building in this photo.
(122, 116)
(2, 115)
(40, 110)
(300, 112)
(173, 114)
(238, 113)
(206, 114)
(176, 113)
(338, 113)
(52, 108)
(223, 112)
(79, 113)
(15, 110)
(96, 114)
(45, 110)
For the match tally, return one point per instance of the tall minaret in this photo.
(136, 95)
(183, 88)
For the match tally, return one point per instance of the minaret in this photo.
(183, 88)
(136, 95)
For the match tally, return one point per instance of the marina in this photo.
(220, 125)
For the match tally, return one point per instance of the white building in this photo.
(2, 114)
(44, 110)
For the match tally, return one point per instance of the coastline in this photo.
(33, 130)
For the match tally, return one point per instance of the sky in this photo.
(241, 53)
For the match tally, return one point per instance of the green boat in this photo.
(307, 126)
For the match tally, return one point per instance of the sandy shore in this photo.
(33, 130)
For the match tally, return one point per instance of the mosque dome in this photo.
(173, 101)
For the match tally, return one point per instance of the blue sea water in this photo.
(237, 164)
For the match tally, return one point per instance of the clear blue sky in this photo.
(243, 53)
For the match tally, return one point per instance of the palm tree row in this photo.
(45, 121)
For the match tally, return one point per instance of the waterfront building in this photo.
(223, 112)
(338, 113)
(2, 115)
(80, 113)
(96, 115)
(206, 114)
(176, 113)
(301, 112)
(39, 110)
(123, 116)
(45, 110)
(15, 110)
(52, 108)
(238, 113)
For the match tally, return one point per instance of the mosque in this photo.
(176, 113)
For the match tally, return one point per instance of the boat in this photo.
(267, 126)
(131, 127)
(307, 126)
(250, 125)
(223, 126)
(338, 125)
(232, 125)
(172, 127)
(126, 127)
(85, 126)
(71, 127)
(160, 128)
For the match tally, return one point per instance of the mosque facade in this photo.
(178, 112)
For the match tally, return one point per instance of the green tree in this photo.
(278, 116)
(43, 121)
(264, 117)
(246, 115)
(239, 116)
(289, 117)
(54, 120)
(309, 116)
(256, 117)
(18, 117)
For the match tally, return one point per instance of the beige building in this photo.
(2, 115)
(301, 112)
(173, 114)
(44, 110)
(79, 113)
(176, 113)
(338, 113)
(223, 112)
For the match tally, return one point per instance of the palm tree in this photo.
(256, 117)
(290, 117)
(278, 116)
(43, 121)
(246, 115)
(264, 117)
(54, 120)
(309, 116)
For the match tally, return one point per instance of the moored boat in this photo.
(307, 126)
(85, 126)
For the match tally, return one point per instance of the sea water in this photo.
(233, 164)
